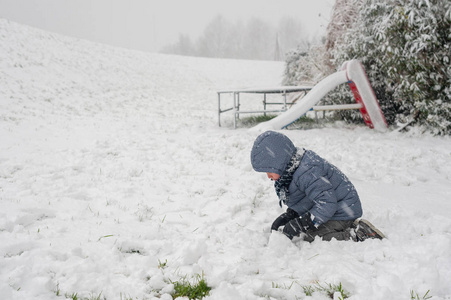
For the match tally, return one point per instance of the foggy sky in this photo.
(152, 24)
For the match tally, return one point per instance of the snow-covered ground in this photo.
(116, 180)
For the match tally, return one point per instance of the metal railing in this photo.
(284, 91)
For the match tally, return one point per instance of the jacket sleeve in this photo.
(320, 191)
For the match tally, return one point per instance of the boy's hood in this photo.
(272, 152)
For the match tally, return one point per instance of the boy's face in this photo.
(273, 176)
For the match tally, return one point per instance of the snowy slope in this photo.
(115, 180)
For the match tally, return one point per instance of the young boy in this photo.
(320, 198)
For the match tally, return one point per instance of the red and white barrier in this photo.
(364, 94)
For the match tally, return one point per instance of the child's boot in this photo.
(365, 230)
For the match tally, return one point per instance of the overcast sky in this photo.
(151, 24)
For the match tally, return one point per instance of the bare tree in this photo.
(343, 16)
(290, 34)
(213, 43)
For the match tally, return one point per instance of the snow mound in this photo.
(116, 181)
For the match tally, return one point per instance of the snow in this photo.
(116, 180)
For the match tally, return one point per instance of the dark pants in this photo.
(340, 230)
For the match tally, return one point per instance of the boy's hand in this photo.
(298, 225)
(284, 219)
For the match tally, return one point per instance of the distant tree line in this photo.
(255, 39)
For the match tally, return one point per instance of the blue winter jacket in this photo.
(317, 187)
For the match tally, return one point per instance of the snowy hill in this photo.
(116, 181)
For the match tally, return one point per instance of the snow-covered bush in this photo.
(404, 46)
(306, 67)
